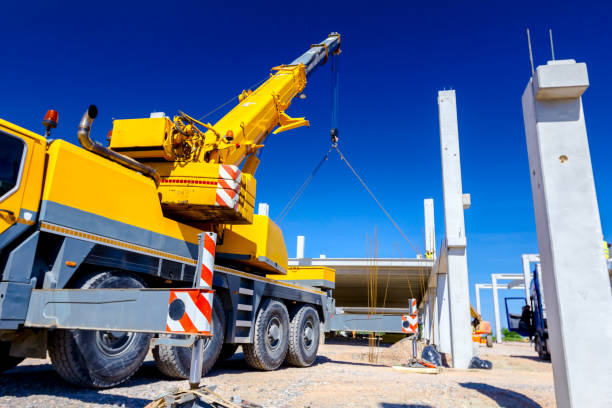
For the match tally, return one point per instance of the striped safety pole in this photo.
(203, 280)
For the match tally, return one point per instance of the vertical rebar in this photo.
(530, 52)
(552, 46)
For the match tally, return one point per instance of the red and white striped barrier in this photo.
(410, 324)
(228, 186)
(413, 307)
(206, 260)
(190, 311)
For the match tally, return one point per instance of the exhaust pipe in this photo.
(97, 148)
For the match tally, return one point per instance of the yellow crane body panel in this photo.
(88, 193)
(140, 138)
(206, 192)
(317, 276)
(260, 245)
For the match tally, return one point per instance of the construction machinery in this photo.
(532, 322)
(481, 329)
(153, 240)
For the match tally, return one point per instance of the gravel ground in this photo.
(341, 377)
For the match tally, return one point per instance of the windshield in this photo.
(11, 157)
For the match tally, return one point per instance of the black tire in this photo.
(489, 341)
(271, 337)
(541, 349)
(227, 351)
(303, 337)
(7, 362)
(175, 361)
(96, 358)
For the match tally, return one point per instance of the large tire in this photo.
(541, 349)
(6, 361)
(227, 351)
(303, 337)
(96, 358)
(489, 340)
(271, 337)
(175, 361)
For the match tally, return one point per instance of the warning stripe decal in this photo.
(410, 323)
(197, 315)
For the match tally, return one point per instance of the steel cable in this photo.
(375, 199)
(281, 216)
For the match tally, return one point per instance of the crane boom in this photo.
(184, 151)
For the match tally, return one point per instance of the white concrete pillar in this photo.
(574, 272)
(425, 313)
(458, 289)
(498, 332)
(444, 327)
(526, 276)
(430, 228)
(435, 336)
(527, 259)
(477, 289)
(300, 247)
(263, 209)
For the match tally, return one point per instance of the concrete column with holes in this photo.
(458, 289)
(574, 271)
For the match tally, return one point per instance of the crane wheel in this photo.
(6, 361)
(303, 337)
(175, 361)
(489, 340)
(270, 338)
(227, 351)
(97, 358)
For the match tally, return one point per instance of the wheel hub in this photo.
(274, 333)
(308, 336)
(113, 343)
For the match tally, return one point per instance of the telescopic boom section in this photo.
(246, 126)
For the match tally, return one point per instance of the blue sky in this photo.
(134, 58)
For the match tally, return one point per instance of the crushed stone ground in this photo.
(342, 376)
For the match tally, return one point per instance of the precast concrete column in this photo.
(477, 289)
(426, 320)
(526, 276)
(435, 338)
(527, 259)
(574, 271)
(263, 209)
(444, 327)
(498, 332)
(458, 289)
(300, 247)
(430, 227)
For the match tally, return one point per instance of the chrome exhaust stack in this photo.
(97, 148)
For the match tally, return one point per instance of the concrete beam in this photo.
(458, 289)
(574, 270)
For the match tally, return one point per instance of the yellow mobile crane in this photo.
(86, 233)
